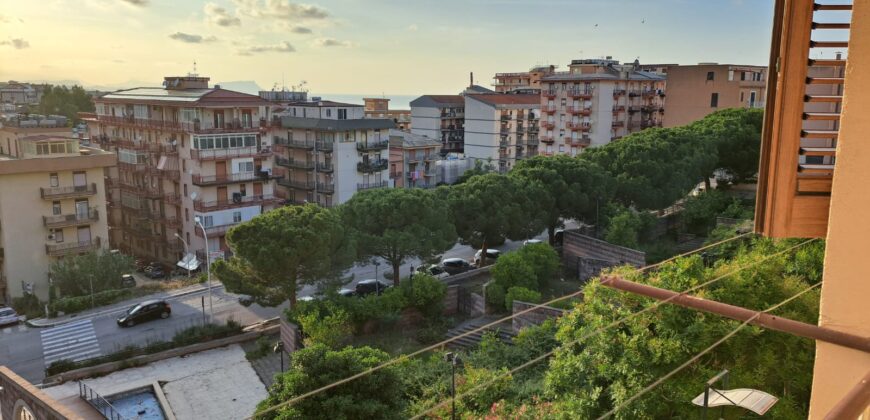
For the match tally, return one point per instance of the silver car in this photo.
(8, 316)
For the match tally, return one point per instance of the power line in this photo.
(611, 325)
(703, 352)
(404, 357)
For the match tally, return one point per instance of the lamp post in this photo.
(198, 222)
(377, 264)
(454, 360)
(186, 253)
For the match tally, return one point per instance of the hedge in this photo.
(70, 305)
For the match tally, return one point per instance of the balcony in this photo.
(132, 167)
(165, 173)
(371, 185)
(372, 166)
(299, 185)
(171, 222)
(239, 201)
(580, 142)
(632, 109)
(172, 198)
(618, 92)
(649, 109)
(580, 93)
(76, 219)
(207, 180)
(579, 110)
(68, 192)
(649, 93)
(453, 114)
(293, 144)
(534, 128)
(579, 126)
(549, 125)
(753, 83)
(505, 117)
(504, 143)
(174, 245)
(504, 130)
(648, 124)
(196, 126)
(294, 164)
(372, 146)
(215, 231)
(618, 124)
(547, 139)
(549, 94)
(548, 109)
(633, 93)
(619, 108)
(141, 230)
(72, 247)
(221, 154)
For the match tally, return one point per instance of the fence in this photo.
(98, 402)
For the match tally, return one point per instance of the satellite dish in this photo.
(193, 195)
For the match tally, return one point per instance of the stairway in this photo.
(504, 331)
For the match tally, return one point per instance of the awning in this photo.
(189, 262)
(751, 399)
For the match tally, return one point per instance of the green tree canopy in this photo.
(277, 251)
(735, 134)
(376, 395)
(398, 223)
(572, 188)
(73, 275)
(61, 100)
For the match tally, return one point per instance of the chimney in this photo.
(839, 55)
(471, 78)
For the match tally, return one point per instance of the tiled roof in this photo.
(508, 99)
(201, 96)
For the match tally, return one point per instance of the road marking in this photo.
(75, 341)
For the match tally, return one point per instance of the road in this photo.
(28, 350)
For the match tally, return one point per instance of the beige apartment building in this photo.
(185, 150)
(698, 90)
(330, 151)
(379, 108)
(595, 102)
(501, 128)
(52, 204)
(414, 160)
(524, 80)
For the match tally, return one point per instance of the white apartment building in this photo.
(330, 151)
(501, 128)
(440, 117)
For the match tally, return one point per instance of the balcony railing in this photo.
(580, 110)
(299, 185)
(505, 117)
(172, 222)
(166, 173)
(56, 250)
(372, 185)
(547, 139)
(68, 192)
(579, 126)
(619, 108)
(549, 93)
(243, 201)
(294, 164)
(132, 167)
(293, 144)
(618, 124)
(372, 146)
(633, 109)
(372, 166)
(242, 152)
(580, 93)
(549, 125)
(172, 198)
(206, 180)
(63, 220)
(549, 109)
(235, 126)
(618, 92)
(580, 142)
(214, 231)
(647, 124)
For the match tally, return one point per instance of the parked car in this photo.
(491, 256)
(127, 281)
(455, 265)
(367, 287)
(559, 236)
(8, 316)
(145, 311)
(532, 241)
(155, 273)
(433, 270)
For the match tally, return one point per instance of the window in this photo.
(247, 166)
(53, 180)
(237, 216)
(342, 114)
(208, 221)
(58, 235)
(243, 190)
(185, 190)
(730, 75)
(328, 112)
(710, 75)
(187, 218)
(55, 208)
(714, 100)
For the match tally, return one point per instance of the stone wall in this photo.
(468, 275)
(291, 336)
(534, 317)
(17, 394)
(471, 304)
(587, 256)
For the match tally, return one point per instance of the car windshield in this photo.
(133, 309)
(6, 312)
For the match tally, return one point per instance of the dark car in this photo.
(145, 311)
(347, 292)
(155, 273)
(128, 281)
(367, 287)
(455, 265)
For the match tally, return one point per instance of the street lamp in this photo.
(186, 253)
(377, 264)
(454, 360)
(198, 222)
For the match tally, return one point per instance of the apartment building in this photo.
(698, 90)
(440, 117)
(52, 203)
(20, 93)
(414, 160)
(509, 82)
(379, 108)
(185, 151)
(595, 102)
(501, 128)
(330, 151)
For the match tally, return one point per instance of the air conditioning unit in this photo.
(51, 235)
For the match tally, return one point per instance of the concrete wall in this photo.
(17, 394)
(586, 255)
(689, 91)
(481, 131)
(426, 121)
(534, 317)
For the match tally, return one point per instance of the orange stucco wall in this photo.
(845, 303)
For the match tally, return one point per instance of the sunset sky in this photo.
(363, 46)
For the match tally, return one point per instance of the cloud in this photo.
(331, 42)
(140, 3)
(191, 38)
(300, 30)
(219, 16)
(280, 9)
(17, 43)
(413, 27)
(283, 47)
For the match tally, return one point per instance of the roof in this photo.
(44, 137)
(323, 124)
(633, 75)
(322, 104)
(438, 100)
(479, 89)
(411, 140)
(508, 99)
(193, 96)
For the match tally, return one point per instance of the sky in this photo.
(403, 47)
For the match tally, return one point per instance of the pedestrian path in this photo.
(74, 341)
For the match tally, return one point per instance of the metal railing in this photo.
(92, 215)
(371, 185)
(98, 402)
(203, 180)
(239, 201)
(72, 247)
(372, 166)
(213, 154)
(370, 146)
(67, 192)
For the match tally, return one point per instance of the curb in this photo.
(30, 323)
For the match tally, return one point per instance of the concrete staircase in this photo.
(503, 330)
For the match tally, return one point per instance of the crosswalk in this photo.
(75, 341)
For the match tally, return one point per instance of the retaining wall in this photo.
(534, 317)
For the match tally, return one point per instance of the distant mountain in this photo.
(244, 86)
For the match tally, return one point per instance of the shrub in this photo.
(495, 295)
(200, 333)
(543, 259)
(263, 347)
(432, 333)
(426, 294)
(699, 215)
(522, 294)
(73, 304)
(529, 267)
(331, 330)
(28, 305)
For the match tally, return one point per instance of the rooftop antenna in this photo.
(194, 74)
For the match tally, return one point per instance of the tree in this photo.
(606, 369)
(376, 395)
(529, 267)
(491, 207)
(573, 188)
(735, 134)
(398, 223)
(61, 100)
(479, 168)
(277, 251)
(73, 276)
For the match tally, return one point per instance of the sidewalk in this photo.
(115, 307)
